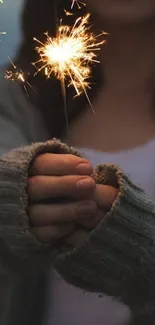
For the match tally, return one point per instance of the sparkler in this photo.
(18, 75)
(69, 55)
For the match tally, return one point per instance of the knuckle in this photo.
(35, 166)
(38, 164)
(76, 211)
(33, 182)
(63, 230)
(71, 211)
(60, 231)
(76, 159)
(41, 235)
(73, 160)
(40, 159)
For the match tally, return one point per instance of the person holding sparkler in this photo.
(94, 226)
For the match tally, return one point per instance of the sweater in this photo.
(70, 305)
(118, 257)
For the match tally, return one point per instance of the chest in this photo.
(114, 126)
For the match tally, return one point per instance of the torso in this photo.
(70, 306)
(116, 125)
(127, 138)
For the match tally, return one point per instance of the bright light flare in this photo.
(70, 54)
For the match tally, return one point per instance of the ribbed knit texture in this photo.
(19, 250)
(117, 259)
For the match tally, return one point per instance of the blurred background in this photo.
(9, 23)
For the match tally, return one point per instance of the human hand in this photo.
(66, 180)
(104, 196)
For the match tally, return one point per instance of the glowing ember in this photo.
(17, 75)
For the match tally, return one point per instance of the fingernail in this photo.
(86, 184)
(84, 169)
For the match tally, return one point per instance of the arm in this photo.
(19, 126)
(20, 122)
(118, 259)
(20, 251)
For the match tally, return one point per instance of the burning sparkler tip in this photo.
(70, 53)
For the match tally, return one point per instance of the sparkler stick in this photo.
(69, 55)
(63, 88)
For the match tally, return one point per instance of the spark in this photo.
(79, 3)
(70, 54)
(17, 75)
(68, 13)
(2, 33)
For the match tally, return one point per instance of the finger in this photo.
(45, 187)
(104, 196)
(92, 222)
(47, 234)
(59, 165)
(77, 238)
(48, 214)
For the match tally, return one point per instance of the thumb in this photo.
(104, 196)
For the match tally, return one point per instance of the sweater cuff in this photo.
(19, 245)
(118, 258)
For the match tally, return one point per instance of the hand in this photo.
(104, 196)
(65, 180)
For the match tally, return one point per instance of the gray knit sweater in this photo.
(117, 259)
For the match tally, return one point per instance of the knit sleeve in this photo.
(19, 250)
(118, 258)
